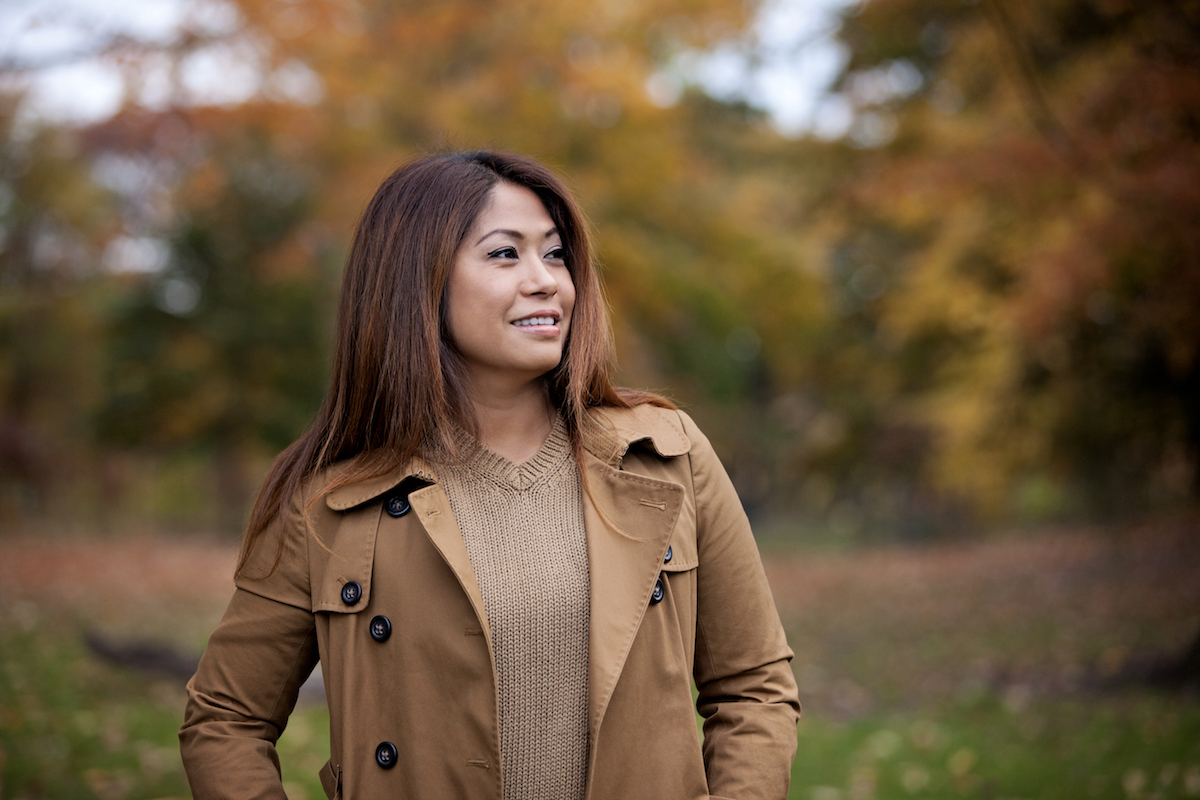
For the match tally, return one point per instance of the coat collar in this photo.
(608, 434)
(352, 495)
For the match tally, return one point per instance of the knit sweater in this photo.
(523, 529)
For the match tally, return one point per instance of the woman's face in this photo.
(510, 296)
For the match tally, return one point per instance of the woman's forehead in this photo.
(516, 211)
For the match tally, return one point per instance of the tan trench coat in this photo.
(429, 688)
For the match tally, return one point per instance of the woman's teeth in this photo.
(522, 323)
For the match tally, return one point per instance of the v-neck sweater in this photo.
(523, 528)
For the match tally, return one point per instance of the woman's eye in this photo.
(557, 254)
(503, 252)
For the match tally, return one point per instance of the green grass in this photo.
(72, 727)
(75, 728)
(954, 672)
(1132, 746)
(986, 669)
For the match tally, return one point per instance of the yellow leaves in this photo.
(969, 409)
(109, 785)
(1063, 265)
(1037, 246)
(194, 356)
(290, 259)
(206, 186)
(939, 282)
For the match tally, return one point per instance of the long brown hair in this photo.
(397, 380)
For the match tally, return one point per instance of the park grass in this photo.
(1134, 746)
(73, 726)
(993, 669)
(1002, 668)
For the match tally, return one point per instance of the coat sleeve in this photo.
(246, 685)
(747, 693)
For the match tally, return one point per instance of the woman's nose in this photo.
(540, 279)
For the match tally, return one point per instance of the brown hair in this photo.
(396, 378)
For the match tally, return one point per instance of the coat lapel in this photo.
(432, 508)
(624, 564)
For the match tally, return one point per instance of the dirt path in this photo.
(168, 589)
(80, 572)
(897, 621)
(1058, 611)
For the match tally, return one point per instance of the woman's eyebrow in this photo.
(514, 234)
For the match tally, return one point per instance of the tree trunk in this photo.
(1180, 672)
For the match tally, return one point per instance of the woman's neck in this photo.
(514, 424)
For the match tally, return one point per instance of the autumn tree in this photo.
(54, 221)
(981, 299)
(1020, 234)
(221, 349)
(222, 346)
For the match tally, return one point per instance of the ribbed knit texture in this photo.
(523, 528)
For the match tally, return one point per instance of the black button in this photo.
(351, 592)
(657, 595)
(385, 755)
(397, 505)
(667, 557)
(381, 628)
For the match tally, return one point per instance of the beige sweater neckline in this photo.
(493, 467)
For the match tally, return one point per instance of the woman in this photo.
(510, 571)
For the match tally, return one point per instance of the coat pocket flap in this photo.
(331, 780)
(682, 552)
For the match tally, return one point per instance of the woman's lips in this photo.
(528, 322)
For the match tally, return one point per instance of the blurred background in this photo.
(926, 271)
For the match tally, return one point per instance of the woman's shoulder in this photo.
(667, 431)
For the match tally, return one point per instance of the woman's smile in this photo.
(545, 325)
